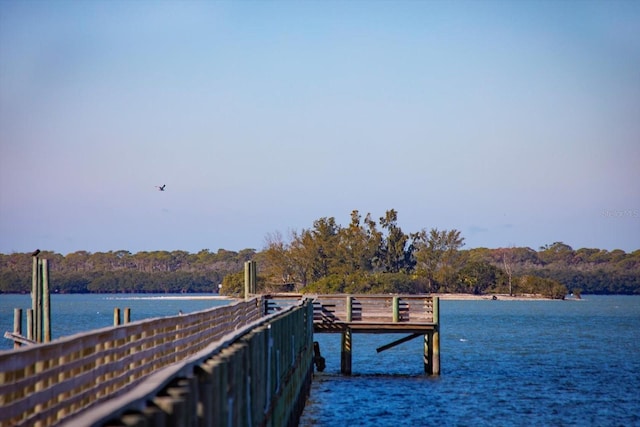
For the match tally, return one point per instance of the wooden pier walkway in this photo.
(246, 364)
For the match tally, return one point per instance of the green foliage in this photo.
(233, 285)
(546, 287)
(328, 258)
(438, 258)
(121, 271)
(14, 282)
(478, 276)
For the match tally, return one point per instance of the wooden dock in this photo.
(413, 315)
(249, 363)
(230, 365)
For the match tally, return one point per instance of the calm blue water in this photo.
(504, 363)
(71, 314)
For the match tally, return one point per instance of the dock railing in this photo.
(416, 315)
(44, 383)
(332, 312)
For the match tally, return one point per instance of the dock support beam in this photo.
(432, 343)
(346, 352)
(46, 302)
(40, 328)
(250, 275)
(17, 325)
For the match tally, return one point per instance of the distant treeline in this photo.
(367, 256)
(124, 272)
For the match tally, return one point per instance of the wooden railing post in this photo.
(116, 316)
(396, 309)
(436, 310)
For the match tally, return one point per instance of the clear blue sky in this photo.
(515, 122)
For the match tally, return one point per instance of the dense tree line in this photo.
(367, 256)
(122, 271)
(378, 257)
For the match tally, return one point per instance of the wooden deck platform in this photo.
(416, 315)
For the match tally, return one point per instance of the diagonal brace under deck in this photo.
(398, 342)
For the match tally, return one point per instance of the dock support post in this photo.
(30, 327)
(250, 272)
(432, 343)
(428, 367)
(254, 277)
(345, 353)
(17, 325)
(127, 315)
(247, 279)
(46, 302)
(436, 336)
(36, 299)
(435, 353)
(318, 360)
(116, 316)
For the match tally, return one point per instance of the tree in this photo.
(395, 254)
(276, 258)
(507, 256)
(438, 258)
(315, 251)
(557, 252)
(477, 276)
(358, 247)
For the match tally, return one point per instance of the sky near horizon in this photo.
(517, 123)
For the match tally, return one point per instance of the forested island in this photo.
(367, 256)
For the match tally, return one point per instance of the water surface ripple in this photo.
(504, 363)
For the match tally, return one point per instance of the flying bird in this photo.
(161, 188)
(36, 252)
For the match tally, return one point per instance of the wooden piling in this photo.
(36, 300)
(247, 279)
(17, 325)
(428, 367)
(30, 322)
(254, 277)
(250, 275)
(46, 302)
(436, 337)
(127, 315)
(432, 343)
(116, 316)
(346, 352)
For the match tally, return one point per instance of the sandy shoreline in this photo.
(500, 297)
(451, 297)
